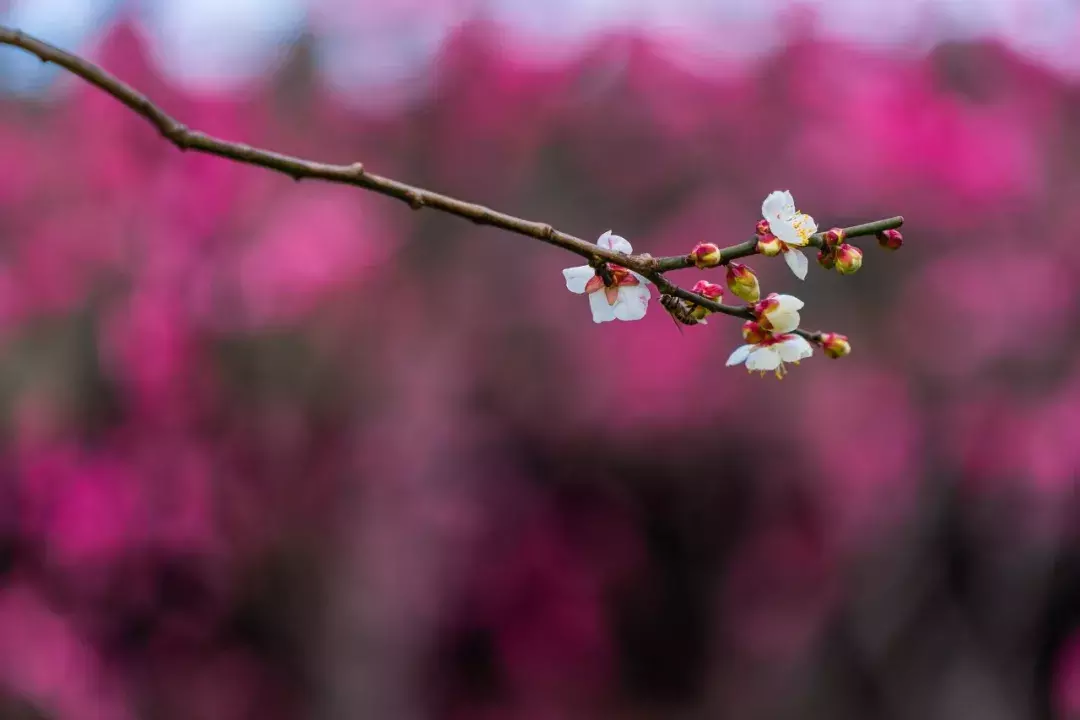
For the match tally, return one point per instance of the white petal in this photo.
(797, 262)
(784, 322)
(794, 349)
(806, 225)
(787, 232)
(601, 311)
(577, 277)
(739, 356)
(764, 358)
(615, 242)
(788, 303)
(778, 206)
(633, 302)
(641, 278)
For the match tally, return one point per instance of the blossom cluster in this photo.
(771, 332)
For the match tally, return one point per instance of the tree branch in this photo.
(417, 198)
(677, 262)
(297, 168)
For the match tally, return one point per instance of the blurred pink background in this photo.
(276, 450)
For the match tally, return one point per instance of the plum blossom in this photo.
(791, 227)
(778, 313)
(626, 299)
(767, 352)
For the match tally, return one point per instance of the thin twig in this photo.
(677, 262)
(417, 198)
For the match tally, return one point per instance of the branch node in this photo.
(547, 232)
(416, 200)
(177, 135)
(357, 169)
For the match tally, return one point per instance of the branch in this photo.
(297, 168)
(417, 198)
(677, 262)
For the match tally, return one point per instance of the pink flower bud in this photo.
(769, 245)
(743, 283)
(763, 228)
(827, 259)
(833, 237)
(708, 289)
(848, 259)
(835, 345)
(890, 239)
(705, 255)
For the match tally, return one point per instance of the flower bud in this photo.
(705, 255)
(848, 259)
(890, 239)
(743, 283)
(708, 289)
(835, 345)
(833, 237)
(763, 228)
(769, 245)
(753, 333)
(827, 259)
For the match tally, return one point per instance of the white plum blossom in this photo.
(767, 352)
(771, 354)
(791, 227)
(778, 314)
(627, 299)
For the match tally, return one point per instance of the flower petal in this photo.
(797, 262)
(739, 356)
(615, 242)
(641, 278)
(601, 311)
(764, 358)
(633, 302)
(805, 225)
(794, 349)
(785, 232)
(778, 206)
(784, 322)
(788, 303)
(577, 277)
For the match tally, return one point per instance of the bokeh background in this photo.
(288, 450)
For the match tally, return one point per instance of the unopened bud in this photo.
(848, 259)
(890, 239)
(753, 333)
(769, 245)
(826, 259)
(763, 228)
(708, 289)
(743, 283)
(833, 237)
(835, 345)
(705, 255)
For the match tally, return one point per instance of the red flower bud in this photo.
(769, 245)
(708, 289)
(743, 283)
(848, 259)
(833, 237)
(835, 345)
(705, 255)
(890, 239)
